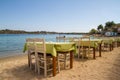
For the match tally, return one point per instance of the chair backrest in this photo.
(40, 46)
(85, 41)
(36, 44)
(30, 44)
(61, 39)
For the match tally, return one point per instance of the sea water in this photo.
(13, 44)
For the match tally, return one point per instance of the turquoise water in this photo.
(12, 44)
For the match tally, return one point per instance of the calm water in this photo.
(12, 44)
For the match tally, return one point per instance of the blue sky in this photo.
(57, 15)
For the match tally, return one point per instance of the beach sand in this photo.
(106, 67)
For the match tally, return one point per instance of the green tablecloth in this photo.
(108, 41)
(53, 47)
(117, 39)
(93, 42)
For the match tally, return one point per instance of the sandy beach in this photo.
(106, 67)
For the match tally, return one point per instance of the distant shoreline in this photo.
(7, 31)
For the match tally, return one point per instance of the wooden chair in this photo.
(31, 51)
(43, 60)
(106, 44)
(63, 56)
(83, 47)
(61, 39)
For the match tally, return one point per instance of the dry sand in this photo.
(106, 67)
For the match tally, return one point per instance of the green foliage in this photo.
(100, 28)
(109, 25)
(7, 31)
(93, 31)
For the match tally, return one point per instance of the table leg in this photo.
(29, 59)
(71, 59)
(110, 47)
(118, 44)
(54, 65)
(100, 50)
(93, 52)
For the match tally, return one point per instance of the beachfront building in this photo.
(108, 33)
(118, 31)
(113, 31)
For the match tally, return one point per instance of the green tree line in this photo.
(109, 26)
(8, 31)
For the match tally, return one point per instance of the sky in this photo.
(57, 15)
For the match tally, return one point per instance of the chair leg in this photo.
(58, 63)
(45, 68)
(28, 59)
(36, 63)
(38, 68)
(65, 55)
(30, 62)
(78, 53)
(84, 53)
(88, 53)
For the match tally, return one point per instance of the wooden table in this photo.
(94, 43)
(54, 62)
(109, 41)
(53, 47)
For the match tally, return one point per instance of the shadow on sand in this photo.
(22, 72)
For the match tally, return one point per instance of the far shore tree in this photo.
(109, 26)
(93, 31)
(100, 28)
